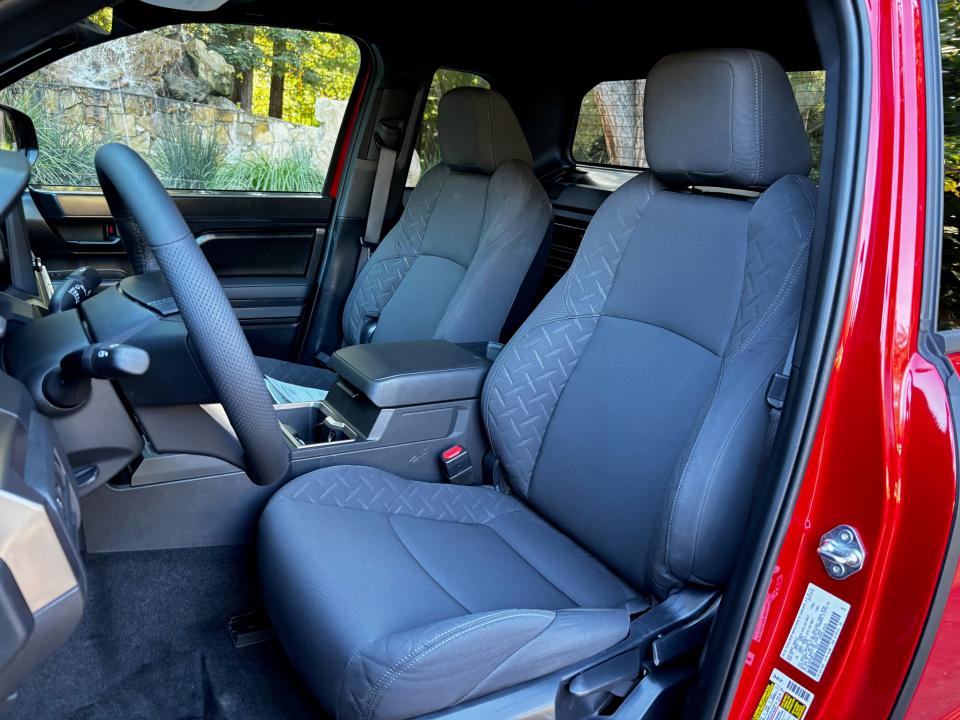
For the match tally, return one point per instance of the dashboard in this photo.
(42, 579)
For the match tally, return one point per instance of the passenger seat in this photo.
(451, 267)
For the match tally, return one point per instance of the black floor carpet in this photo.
(153, 644)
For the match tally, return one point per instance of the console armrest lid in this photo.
(411, 373)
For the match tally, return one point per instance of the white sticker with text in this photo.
(815, 631)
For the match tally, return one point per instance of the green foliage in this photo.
(185, 158)
(949, 315)
(313, 64)
(428, 143)
(66, 152)
(292, 172)
(103, 18)
(234, 42)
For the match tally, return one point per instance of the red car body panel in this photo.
(883, 459)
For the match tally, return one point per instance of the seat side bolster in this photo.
(393, 258)
(452, 661)
(710, 495)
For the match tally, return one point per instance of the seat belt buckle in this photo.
(457, 466)
(777, 390)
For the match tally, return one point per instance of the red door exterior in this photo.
(884, 458)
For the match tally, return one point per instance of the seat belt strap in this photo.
(776, 395)
(386, 136)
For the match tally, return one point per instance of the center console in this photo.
(394, 406)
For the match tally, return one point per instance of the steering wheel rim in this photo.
(134, 193)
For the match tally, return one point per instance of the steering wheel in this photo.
(154, 231)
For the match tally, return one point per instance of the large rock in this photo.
(134, 64)
(210, 67)
(185, 86)
(329, 112)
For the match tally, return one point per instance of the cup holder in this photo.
(311, 424)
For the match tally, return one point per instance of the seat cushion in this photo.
(395, 598)
(305, 375)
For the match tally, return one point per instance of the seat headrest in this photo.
(725, 118)
(479, 132)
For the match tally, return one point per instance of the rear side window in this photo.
(949, 313)
(610, 126)
(428, 141)
(209, 106)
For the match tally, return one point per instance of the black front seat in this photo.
(628, 412)
(451, 266)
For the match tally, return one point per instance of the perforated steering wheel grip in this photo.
(133, 191)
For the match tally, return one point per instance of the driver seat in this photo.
(628, 413)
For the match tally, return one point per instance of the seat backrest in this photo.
(629, 409)
(451, 266)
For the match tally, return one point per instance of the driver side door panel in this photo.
(265, 248)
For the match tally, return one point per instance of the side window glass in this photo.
(610, 126)
(210, 107)
(428, 143)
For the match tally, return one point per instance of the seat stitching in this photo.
(665, 329)
(505, 661)
(429, 647)
(723, 447)
(806, 195)
(419, 648)
(518, 338)
(500, 370)
(393, 509)
(788, 283)
(531, 565)
(686, 466)
(712, 475)
(417, 561)
(546, 428)
(356, 654)
(577, 260)
(757, 112)
(484, 270)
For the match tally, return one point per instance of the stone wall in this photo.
(141, 120)
(151, 89)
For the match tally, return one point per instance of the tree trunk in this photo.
(243, 87)
(620, 105)
(277, 74)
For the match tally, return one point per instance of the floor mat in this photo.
(153, 644)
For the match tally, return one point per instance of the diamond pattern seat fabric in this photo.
(628, 413)
(452, 266)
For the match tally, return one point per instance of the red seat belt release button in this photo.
(457, 466)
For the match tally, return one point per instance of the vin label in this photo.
(815, 631)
